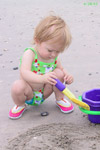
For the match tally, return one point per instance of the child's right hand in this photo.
(50, 78)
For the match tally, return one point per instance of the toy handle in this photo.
(63, 89)
(60, 85)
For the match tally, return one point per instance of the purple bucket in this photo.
(92, 98)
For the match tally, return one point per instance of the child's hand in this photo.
(50, 78)
(68, 79)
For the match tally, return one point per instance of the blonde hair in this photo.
(53, 28)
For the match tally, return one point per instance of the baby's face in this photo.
(47, 50)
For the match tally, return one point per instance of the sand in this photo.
(57, 131)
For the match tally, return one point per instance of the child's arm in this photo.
(31, 77)
(67, 77)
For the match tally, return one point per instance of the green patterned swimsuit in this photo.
(40, 68)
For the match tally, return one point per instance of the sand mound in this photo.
(57, 137)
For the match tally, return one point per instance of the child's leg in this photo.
(60, 75)
(61, 102)
(21, 91)
(48, 89)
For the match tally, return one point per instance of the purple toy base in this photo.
(92, 98)
(94, 118)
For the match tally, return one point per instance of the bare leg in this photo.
(61, 102)
(58, 94)
(21, 91)
(48, 89)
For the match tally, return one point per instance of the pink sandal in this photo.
(65, 106)
(16, 112)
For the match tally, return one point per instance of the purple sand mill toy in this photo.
(92, 98)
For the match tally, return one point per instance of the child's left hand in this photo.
(68, 79)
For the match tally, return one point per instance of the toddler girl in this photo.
(40, 66)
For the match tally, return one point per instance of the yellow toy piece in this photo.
(74, 99)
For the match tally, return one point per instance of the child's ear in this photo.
(36, 41)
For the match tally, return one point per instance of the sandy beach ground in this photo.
(57, 131)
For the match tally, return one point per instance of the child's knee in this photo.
(59, 74)
(17, 87)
